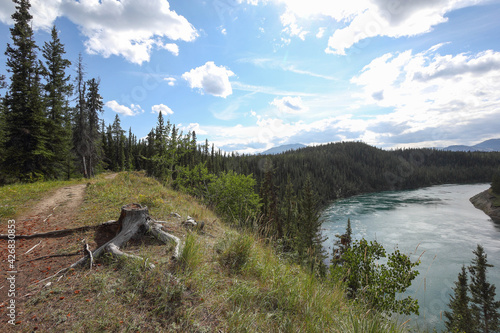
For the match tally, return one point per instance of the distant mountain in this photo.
(282, 149)
(488, 145)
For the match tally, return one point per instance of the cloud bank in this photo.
(366, 18)
(126, 28)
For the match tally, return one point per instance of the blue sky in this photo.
(253, 74)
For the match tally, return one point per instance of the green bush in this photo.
(233, 197)
(377, 284)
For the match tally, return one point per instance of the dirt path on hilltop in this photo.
(54, 212)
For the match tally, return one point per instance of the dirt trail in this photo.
(54, 212)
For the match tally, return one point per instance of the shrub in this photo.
(233, 197)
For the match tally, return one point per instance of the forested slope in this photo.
(347, 168)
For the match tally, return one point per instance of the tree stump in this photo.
(134, 222)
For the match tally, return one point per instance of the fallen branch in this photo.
(40, 242)
(88, 254)
(60, 233)
(56, 256)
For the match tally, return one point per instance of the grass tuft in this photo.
(234, 251)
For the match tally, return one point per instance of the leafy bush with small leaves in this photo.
(233, 197)
(377, 284)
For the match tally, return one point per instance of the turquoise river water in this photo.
(438, 221)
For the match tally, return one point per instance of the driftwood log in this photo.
(134, 222)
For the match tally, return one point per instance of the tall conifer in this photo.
(459, 319)
(57, 91)
(484, 307)
(26, 139)
(311, 239)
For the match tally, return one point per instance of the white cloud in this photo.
(368, 18)
(321, 33)
(194, 127)
(126, 28)
(44, 12)
(289, 21)
(171, 47)
(429, 91)
(161, 108)
(210, 79)
(222, 30)
(289, 104)
(171, 81)
(7, 8)
(133, 110)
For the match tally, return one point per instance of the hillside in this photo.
(282, 149)
(486, 146)
(343, 169)
(224, 281)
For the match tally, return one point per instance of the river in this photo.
(439, 220)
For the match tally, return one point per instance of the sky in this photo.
(249, 75)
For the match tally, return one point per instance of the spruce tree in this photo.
(484, 307)
(80, 121)
(310, 237)
(2, 126)
(289, 216)
(57, 91)
(495, 184)
(118, 146)
(95, 106)
(459, 319)
(26, 140)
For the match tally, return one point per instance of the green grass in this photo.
(224, 280)
(15, 199)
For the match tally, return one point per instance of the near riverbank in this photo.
(489, 203)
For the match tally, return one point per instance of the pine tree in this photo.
(460, 317)
(270, 220)
(81, 139)
(95, 106)
(484, 307)
(86, 122)
(2, 127)
(289, 216)
(57, 91)
(342, 244)
(118, 144)
(495, 184)
(310, 237)
(26, 139)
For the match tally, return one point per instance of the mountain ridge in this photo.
(485, 146)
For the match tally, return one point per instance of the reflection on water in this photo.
(437, 223)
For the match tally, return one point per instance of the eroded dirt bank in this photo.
(484, 201)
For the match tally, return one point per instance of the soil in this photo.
(485, 202)
(54, 212)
